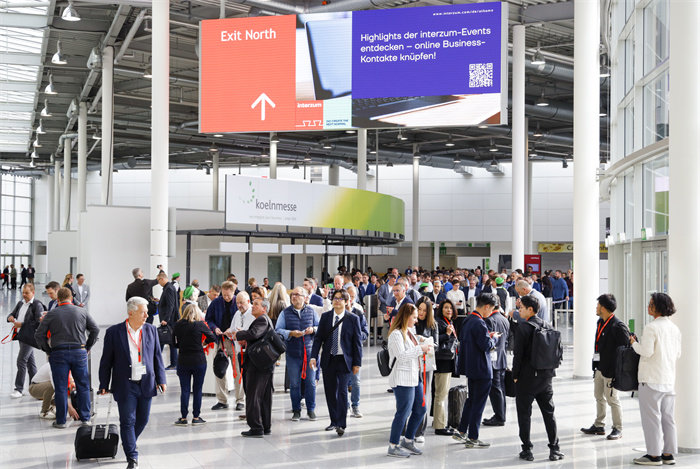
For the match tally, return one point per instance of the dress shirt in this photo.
(340, 330)
(471, 293)
(23, 310)
(134, 344)
(80, 292)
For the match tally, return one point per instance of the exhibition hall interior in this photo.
(346, 204)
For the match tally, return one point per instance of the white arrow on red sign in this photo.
(262, 100)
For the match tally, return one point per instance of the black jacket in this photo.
(188, 338)
(31, 321)
(168, 308)
(445, 366)
(140, 287)
(522, 351)
(255, 332)
(615, 334)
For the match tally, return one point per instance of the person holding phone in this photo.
(456, 296)
(498, 323)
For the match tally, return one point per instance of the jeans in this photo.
(173, 354)
(294, 372)
(73, 360)
(25, 364)
(355, 393)
(409, 401)
(134, 410)
(194, 376)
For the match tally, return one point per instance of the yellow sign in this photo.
(564, 247)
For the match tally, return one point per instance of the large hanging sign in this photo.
(405, 67)
(276, 202)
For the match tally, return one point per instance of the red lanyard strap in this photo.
(11, 336)
(138, 346)
(303, 365)
(424, 383)
(600, 331)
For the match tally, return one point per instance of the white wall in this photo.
(61, 246)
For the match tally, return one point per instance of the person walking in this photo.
(340, 335)
(191, 333)
(531, 384)
(132, 369)
(73, 333)
(13, 277)
(404, 353)
(611, 333)
(659, 349)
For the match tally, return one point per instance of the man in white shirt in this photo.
(41, 387)
(241, 322)
(82, 291)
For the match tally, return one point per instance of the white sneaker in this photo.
(16, 394)
(419, 439)
(47, 415)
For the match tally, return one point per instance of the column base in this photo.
(689, 450)
(583, 377)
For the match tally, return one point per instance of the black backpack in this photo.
(547, 350)
(383, 359)
(626, 368)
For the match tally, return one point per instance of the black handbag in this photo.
(264, 352)
(165, 335)
(220, 364)
(447, 350)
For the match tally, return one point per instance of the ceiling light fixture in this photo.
(390, 164)
(564, 164)
(212, 148)
(326, 145)
(34, 154)
(148, 73)
(50, 88)
(218, 135)
(31, 163)
(296, 166)
(493, 147)
(542, 101)
(207, 170)
(483, 126)
(36, 143)
(449, 142)
(58, 58)
(494, 163)
(537, 132)
(70, 13)
(254, 164)
(40, 129)
(45, 111)
(307, 157)
(456, 159)
(537, 57)
(349, 131)
(97, 135)
(274, 138)
(401, 136)
(263, 153)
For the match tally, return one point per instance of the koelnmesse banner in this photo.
(276, 202)
(401, 67)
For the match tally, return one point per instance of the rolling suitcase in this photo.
(456, 398)
(97, 441)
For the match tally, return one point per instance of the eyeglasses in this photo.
(296, 294)
(338, 298)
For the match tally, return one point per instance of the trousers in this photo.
(134, 410)
(605, 395)
(656, 409)
(409, 401)
(258, 399)
(191, 380)
(442, 388)
(25, 364)
(73, 360)
(540, 390)
(474, 407)
(44, 392)
(335, 383)
(497, 395)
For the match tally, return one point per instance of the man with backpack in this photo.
(611, 333)
(536, 355)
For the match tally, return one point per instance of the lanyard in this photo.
(600, 331)
(63, 304)
(477, 315)
(138, 346)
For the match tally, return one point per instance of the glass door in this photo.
(274, 269)
(219, 268)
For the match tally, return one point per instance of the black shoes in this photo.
(444, 431)
(593, 430)
(240, 406)
(340, 431)
(312, 415)
(526, 454)
(132, 464)
(267, 432)
(296, 415)
(252, 434)
(555, 454)
(330, 428)
(615, 434)
(219, 406)
(492, 422)
(668, 459)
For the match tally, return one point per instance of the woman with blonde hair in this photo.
(191, 333)
(279, 300)
(68, 283)
(405, 351)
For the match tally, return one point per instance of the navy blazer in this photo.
(315, 300)
(474, 347)
(395, 310)
(115, 365)
(215, 313)
(350, 339)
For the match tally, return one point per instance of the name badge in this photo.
(596, 357)
(138, 371)
(494, 355)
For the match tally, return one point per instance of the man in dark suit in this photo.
(476, 343)
(310, 287)
(340, 335)
(142, 288)
(52, 290)
(497, 322)
(437, 296)
(258, 381)
(169, 313)
(25, 319)
(532, 384)
(131, 368)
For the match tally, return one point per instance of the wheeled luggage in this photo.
(456, 397)
(97, 441)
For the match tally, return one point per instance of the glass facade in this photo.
(656, 109)
(655, 34)
(655, 190)
(15, 220)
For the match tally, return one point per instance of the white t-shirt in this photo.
(43, 374)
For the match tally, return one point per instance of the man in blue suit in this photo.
(131, 368)
(310, 287)
(476, 343)
(340, 335)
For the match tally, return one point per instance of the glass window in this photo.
(23, 205)
(309, 266)
(8, 218)
(629, 205)
(629, 129)
(629, 8)
(23, 218)
(22, 247)
(22, 232)
(656, 34)
(8, 188)
(656, 110)
(16, 219)
(219, 268)
(655, 200)
(23, 189)
(7, 233)
(629, 62)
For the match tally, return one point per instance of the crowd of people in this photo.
(430, 332)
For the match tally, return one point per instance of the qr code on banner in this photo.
(480, 75)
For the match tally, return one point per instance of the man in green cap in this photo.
(501, 291)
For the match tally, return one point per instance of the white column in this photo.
(415, 209)
(529, 217)
(362, 159)
(684, 220)
(160, 150)
(586, 156)
(49, 200)
(215, 181)
(56, 215)
(273, 157)
(436, 254)
(107, 123)
(519, 149)
(333, 175)
(82, 157)
(65, 214)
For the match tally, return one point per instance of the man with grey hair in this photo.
(410, 292)
(142, 288)
(242, 319)
(258, 399)
(132, 369)
(525, 289)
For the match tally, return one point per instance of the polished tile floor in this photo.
(29, 442)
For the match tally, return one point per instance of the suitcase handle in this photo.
(109, 412)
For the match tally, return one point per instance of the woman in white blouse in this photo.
(405, 351)
(659, 349)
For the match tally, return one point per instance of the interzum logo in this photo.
(252, 194)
